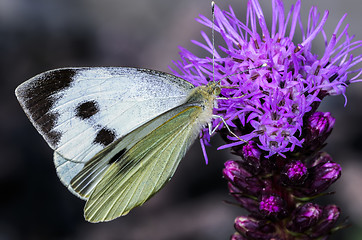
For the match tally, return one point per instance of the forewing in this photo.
(79, 111)
(142, 170)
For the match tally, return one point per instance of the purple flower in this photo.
(268, 104)
(271, 87)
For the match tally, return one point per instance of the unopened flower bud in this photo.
(328, 220)
(251, 154)
(322, 157)
(318, 127)
(305, 217)
(272, 205)
(324, 174)
(246, 202)
(234, 169)
(254, 229)
(294, 173)
(241, 178)
(237, 236)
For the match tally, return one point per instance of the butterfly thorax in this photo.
(204, 95)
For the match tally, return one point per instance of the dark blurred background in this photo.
(39, 35)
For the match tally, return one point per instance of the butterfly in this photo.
(118, 133)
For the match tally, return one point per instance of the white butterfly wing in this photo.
(66, 170)
(79, 111)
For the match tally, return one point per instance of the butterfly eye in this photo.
(217, 91)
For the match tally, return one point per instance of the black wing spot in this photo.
(105, 136)
(87, 109)
(38, 97)
(117, 156)
(45, 86)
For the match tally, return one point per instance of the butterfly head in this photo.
(213, 88)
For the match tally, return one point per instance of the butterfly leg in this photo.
(227, 127)
(211, 131)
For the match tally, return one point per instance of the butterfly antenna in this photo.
(213, 39)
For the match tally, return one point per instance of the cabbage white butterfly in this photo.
(118, 134)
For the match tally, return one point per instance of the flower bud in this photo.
(254, 229)
(246, 202)
(241, 178)
(251, 154)
(234, 169)
(322, 157)
(294, 173)
(324, 174)
(318, 127)
(328, 220)
(272, 205)
(237, 236)
(305, 217)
